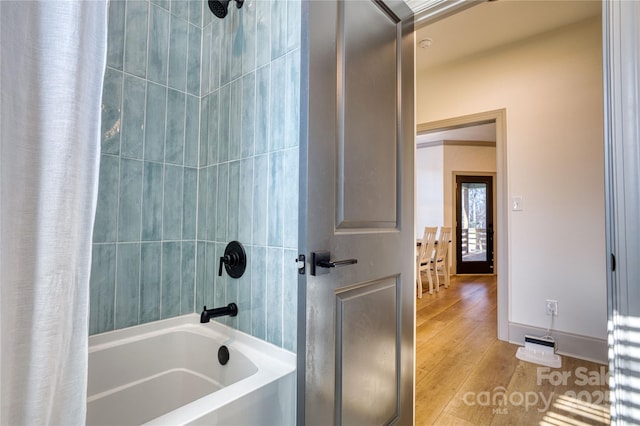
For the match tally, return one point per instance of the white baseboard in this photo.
(573, 345)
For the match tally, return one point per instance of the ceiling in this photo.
(488, 26)
(496, 23)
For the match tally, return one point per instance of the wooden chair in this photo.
(440, 262)
(425, 254)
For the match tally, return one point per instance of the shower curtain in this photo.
(52, 64)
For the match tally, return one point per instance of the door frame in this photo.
(622, 204)
(501, 213)
(454, 223)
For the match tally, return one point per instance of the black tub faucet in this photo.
(231, 309)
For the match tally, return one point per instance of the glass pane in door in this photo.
(474, 222)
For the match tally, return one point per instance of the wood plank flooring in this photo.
(466, 376)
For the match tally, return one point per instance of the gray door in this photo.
(356, 323)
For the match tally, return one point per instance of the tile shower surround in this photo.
(199, 147)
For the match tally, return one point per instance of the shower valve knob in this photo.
(234, 260)
(230, 259)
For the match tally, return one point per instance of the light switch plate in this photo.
(517, 204)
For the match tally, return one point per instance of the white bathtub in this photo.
(167, 373)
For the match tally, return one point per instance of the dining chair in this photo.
(440, 262)
(425, 254)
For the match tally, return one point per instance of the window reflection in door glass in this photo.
(474, 222)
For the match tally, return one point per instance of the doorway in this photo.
(515, 216)
(474, 224)
(500, 198)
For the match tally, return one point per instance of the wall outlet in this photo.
(552, 307)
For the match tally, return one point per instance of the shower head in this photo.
(221, 7)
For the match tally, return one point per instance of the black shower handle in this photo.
(230, 259)
(234, 259)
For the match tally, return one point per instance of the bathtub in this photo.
(168, 373)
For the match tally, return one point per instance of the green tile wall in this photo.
(200, 147)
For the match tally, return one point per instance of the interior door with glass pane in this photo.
(474, 225)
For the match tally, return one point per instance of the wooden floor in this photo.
(465, 376)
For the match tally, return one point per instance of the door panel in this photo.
(367, 136)
(356, 322)
(366, 337)
(474, 225)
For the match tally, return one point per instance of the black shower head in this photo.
(221, 7)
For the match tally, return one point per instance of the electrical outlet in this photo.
(552, 307)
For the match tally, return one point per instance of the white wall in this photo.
(429, 188)
(464, 159)
(551, 87)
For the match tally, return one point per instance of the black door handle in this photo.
(330, 264)
(321, 259)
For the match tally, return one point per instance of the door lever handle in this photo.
(322, 259)
(330, 264)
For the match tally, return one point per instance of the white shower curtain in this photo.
(52, 65)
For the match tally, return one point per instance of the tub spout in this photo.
(231, 309)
